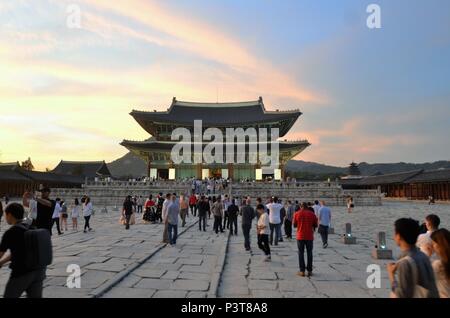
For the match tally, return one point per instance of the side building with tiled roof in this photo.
(14, 180)
(86, 169)
(413, 185)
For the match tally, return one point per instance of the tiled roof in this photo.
(88, 169)
(168, 145)
(50, 177)
(389, 178)
(217, 114)
(416, 176)
(431, 176)
(12, 175)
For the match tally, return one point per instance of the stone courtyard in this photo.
(119, 263)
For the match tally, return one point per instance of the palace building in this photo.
(156, 151)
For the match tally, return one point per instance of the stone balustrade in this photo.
(114, 192)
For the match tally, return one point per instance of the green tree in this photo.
(27, 165)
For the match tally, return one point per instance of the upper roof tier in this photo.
(234, 114)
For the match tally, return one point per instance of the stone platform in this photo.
(113, 193)
(115, 262)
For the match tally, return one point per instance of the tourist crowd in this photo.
(422, 270)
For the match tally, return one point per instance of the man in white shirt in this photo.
(262, 228)
(316, 208)
(324, 223)
(56, 215)
(274, 219)
(424, 242)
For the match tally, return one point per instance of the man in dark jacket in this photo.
(128, 208)
(248, 214)
(233, 211)
(203, 210)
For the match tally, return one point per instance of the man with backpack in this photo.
(30, 253)
(412, 275)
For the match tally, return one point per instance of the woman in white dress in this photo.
(75, 214)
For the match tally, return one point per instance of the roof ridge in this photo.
(237, 103)
(396, 173)
(9, 163)
(78, 162)
(297, 110)
(437, 170)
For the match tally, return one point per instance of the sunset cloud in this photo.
(365, 96)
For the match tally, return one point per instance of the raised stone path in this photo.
(191, 268)
(119, 263)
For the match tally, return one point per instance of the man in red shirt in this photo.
(193, 204)
(305, 221)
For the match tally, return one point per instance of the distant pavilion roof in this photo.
(50, 177)
(88, 169)
(408, 177)
(390, 178)
(9, 166)
(12, 175)
(217, 114)
(431, 176)
(13, 172)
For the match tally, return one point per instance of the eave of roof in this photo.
(441, 175)
(168, 145)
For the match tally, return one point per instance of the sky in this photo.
(372, 95)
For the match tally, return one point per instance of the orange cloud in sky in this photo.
(208, 42)
(354, 143)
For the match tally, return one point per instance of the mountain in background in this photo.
(131, 166)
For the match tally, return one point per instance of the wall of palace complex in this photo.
(113, 193)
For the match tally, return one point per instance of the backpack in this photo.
(419, 291)
(38, 245)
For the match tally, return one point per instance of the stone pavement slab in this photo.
(191, 268)
(339, 271)
(180, 271)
